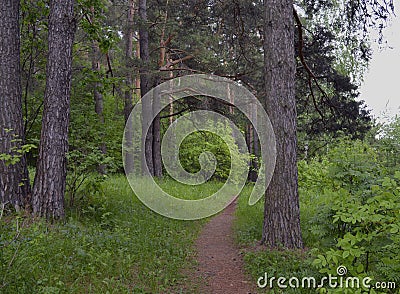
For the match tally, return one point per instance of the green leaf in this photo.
(360, 268)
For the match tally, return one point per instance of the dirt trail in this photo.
(220, 265)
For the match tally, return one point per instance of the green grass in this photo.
(110, 243)
(249, 219)
(276, 263)
(190, 192)
(258, 261)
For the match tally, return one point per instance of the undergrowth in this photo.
(109, 243)
(349, 210)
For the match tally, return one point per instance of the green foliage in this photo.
(351, 212)
(86, 136)
(354, 164)
(277, 264)
(94, 23)
(110, 244)
(224, 149)
(33, 39)
(349, 196)
(88, 132)
(17, 150)
(350, 203)
(82, 171)
(346, 173)
(389, 144)
(367, 234)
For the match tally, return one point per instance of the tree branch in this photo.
(311, 76)
(176, 113)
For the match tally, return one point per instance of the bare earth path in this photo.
(220, 268)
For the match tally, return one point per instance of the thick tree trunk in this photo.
(281, 215)
(14, 181)
(49, 186)
(147, 109)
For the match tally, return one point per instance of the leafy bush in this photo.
(14, 155)
(389, 144)
(203, 141)
(345, 174)
(367, 234)
(349, 212)
(350, 203)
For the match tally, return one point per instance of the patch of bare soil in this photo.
(220, 265)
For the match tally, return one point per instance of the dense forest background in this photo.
(191, 37)
(74, 70)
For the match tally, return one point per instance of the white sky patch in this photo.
(380, 89)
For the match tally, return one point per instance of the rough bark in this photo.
(14, 181)
(50, 179)
(281, 214)
(147, 110)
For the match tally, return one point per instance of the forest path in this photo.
(220, 264)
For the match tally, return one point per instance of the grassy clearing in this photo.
(110, 243)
